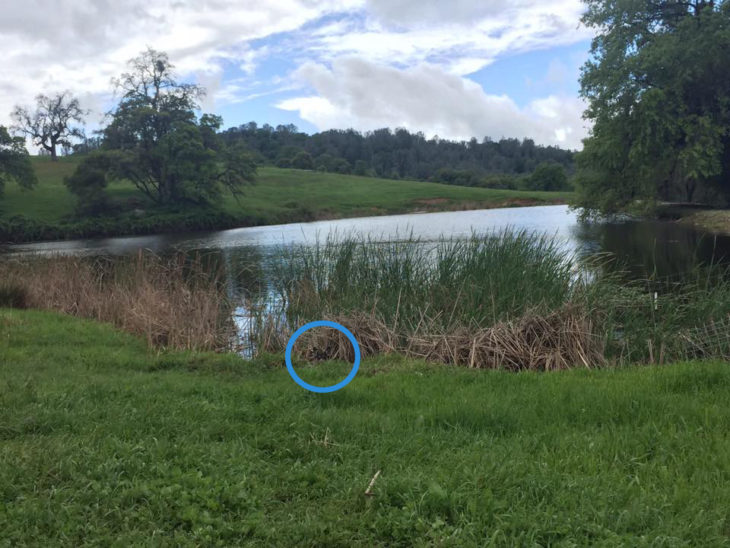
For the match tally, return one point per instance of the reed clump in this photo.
(174, 302)
(512, 300)
(508, 300)
(560, 340)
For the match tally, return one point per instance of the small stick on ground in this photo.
(369, 490)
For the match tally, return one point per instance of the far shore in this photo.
(715, 221)
(279, 196)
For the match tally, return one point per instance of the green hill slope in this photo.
(278, 196)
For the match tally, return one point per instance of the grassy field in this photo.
(282, 195)
(280, 192)
(105, 442)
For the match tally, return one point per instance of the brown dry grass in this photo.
(170, 302)
(561, 340)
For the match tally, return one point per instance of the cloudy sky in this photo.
(452, 68)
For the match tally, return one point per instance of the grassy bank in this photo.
(106, 442)
(716, 221)
(280, 196)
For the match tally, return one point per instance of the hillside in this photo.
(278, 196)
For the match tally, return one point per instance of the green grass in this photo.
(50, 201)
(107, 443)
(281, 191)
(279, 196)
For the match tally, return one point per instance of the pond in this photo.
(644, 248)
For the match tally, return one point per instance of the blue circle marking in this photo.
(311, 387)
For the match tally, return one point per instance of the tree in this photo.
(156, 141)
(324, 162)
(50, 125)
(658, 90)
(89, 183)
(361, 168)
(340, 165)
(302, 160)
(387, 153)
(14, 161)
(548, 176)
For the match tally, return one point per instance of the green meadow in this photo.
(106, 442)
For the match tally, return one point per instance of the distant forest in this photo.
(400, 154)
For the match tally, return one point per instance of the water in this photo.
(644, 248)
(551, 219)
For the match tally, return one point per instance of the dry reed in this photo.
(711, 340)
(172, 302)
(560, 340)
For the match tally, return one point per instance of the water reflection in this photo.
(652, 249)
(645, 248)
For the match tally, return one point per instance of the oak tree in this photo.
(50, 125)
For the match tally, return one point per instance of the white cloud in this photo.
(462, 35)
(364, 95)
(401, 62)
(416, 12)
(80, 45)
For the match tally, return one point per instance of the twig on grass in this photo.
(369, 490)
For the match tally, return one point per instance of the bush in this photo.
(303, 160)
(325, 162)
(501, 182)
(548, 176)
(88, 183)
(361, 168)
(460, 177)
(340, 165)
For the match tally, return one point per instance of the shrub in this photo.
(547, 176)
(89, 182)
(303, 160)
(461, 177)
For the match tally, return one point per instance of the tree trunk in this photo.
(54, 155)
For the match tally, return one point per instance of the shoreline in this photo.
(713, 221)
(218, 220)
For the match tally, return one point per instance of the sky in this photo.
(453, 68)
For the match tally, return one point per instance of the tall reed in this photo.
(173, 302)
(508, 299)
(511, 300)
(473, 281)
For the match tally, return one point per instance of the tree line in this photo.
(173, 156)
(400, 154)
